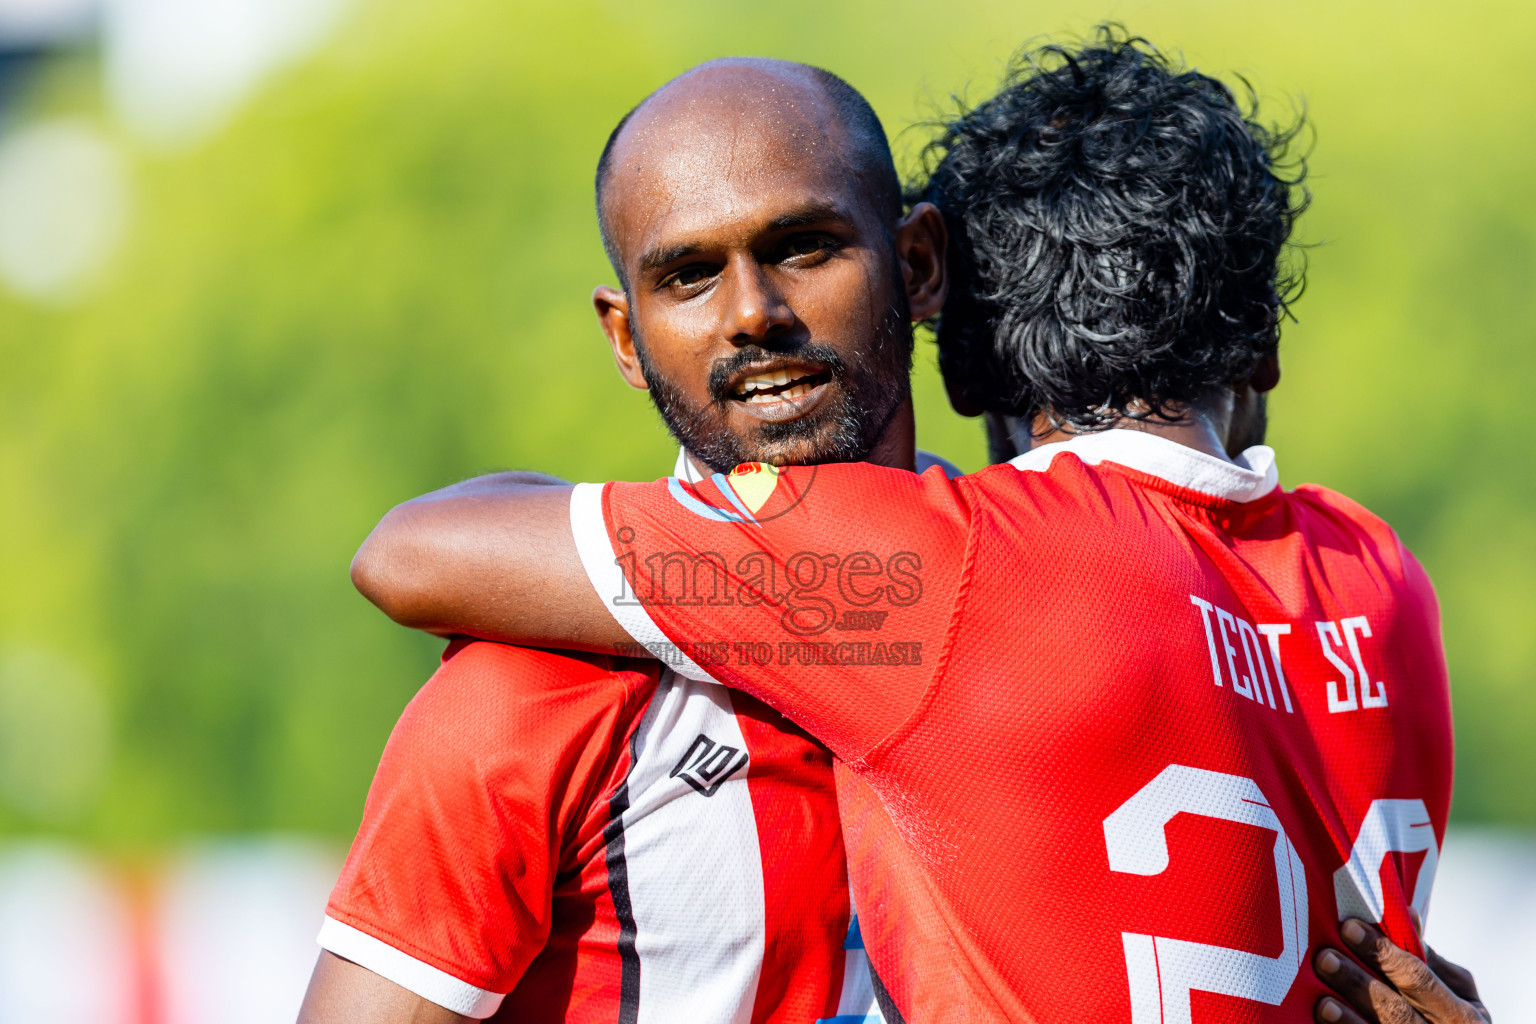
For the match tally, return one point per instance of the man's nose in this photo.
(757, 308)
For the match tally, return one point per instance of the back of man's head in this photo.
(1116, 226)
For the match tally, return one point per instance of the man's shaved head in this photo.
(807, 107)
(769, 275)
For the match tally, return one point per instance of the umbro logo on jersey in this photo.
(706, 764)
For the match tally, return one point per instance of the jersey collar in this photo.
(1250, 476)
(684, 469)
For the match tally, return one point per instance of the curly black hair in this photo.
(1117, 223)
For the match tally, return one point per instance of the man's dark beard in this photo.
(869, 400)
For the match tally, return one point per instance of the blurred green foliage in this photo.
(376, 281)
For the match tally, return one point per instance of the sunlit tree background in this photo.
(367, 275)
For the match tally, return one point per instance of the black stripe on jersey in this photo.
(883, 999)
(618, 888)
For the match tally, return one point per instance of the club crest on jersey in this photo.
(754, 483)
(752, 492)
(705, 765)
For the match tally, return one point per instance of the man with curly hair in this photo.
(1140, 734)
(1118, 226)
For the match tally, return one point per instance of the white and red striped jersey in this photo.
(573, 838)
(604, 840)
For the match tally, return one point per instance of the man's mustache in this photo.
(728, 367)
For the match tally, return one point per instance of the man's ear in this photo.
(1266, 373)
(612, 308)
(921, 241)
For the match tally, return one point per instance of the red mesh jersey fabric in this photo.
(1140, 727)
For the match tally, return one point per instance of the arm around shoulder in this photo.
(491, 557)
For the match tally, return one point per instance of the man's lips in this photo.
(778, 392)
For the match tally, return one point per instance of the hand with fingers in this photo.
(1398, 988)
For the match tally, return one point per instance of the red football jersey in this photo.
(605, 841)
(1140, 727)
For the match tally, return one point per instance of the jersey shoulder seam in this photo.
(941, 667)
(606, 782)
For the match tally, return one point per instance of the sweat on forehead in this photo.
(746, 119)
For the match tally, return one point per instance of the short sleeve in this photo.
(448, 887)
(826, 591)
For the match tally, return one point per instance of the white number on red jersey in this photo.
(1164, 971)
(1390, 826)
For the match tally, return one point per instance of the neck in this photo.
(1203, 427)
(896, 448)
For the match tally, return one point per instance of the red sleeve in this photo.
(826, 591)
(448, 886)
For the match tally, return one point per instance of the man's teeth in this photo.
(764, 397)
(777, 378)
(760, 388)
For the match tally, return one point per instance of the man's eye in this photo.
(808, 245)
(689, 276)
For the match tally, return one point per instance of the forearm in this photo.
(491, 557)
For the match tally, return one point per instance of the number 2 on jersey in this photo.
(1163, 971)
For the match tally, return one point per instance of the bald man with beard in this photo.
(559, 837)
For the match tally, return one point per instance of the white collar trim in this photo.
(1250, 476)
(684, 469)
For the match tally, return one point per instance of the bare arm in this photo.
(492, 557)
(340, 992)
